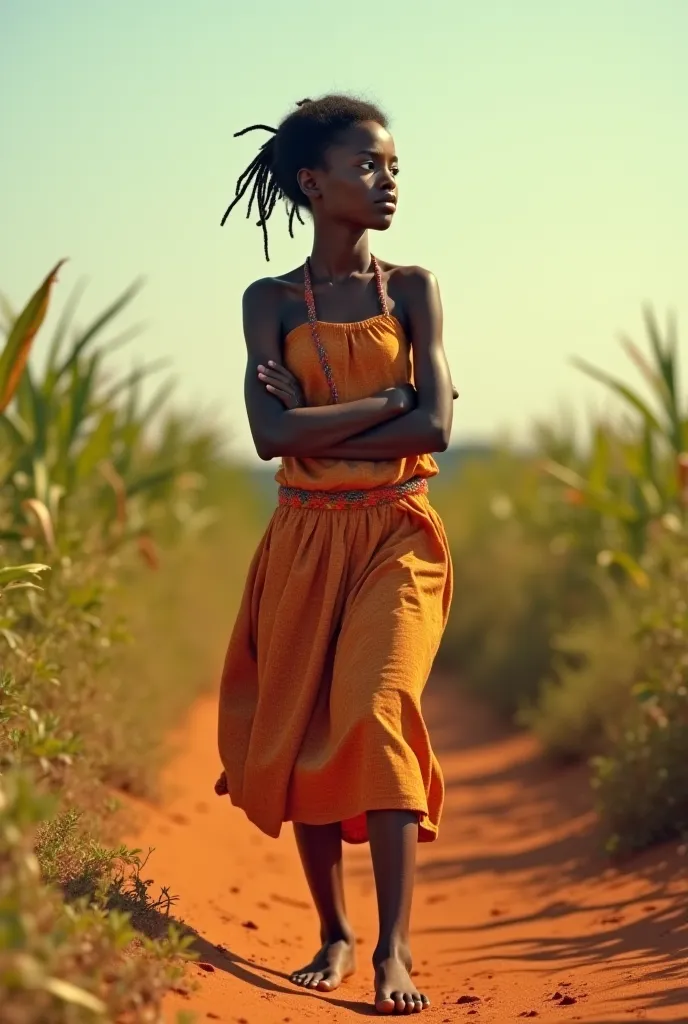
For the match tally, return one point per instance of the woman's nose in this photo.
(387, 180)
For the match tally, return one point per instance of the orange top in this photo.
(365, 357)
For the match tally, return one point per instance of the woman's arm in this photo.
(299, 432)
(427, 427)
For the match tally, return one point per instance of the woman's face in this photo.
(358, 184)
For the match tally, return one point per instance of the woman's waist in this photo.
(369, 497)
(333, 475)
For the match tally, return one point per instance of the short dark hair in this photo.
(301, 140)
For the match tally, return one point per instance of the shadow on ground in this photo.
(531, 798)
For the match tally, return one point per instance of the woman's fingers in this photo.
(284, 396)
(274, 380)
(278, 371)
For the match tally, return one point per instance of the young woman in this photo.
(347, 383)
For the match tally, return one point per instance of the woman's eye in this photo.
(368, 164)
(395, 171)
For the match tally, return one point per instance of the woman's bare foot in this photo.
(335, 962)
(395, 992)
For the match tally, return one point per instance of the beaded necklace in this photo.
(313, 319)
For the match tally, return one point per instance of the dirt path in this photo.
(516, 915)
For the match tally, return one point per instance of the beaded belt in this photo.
(296, 497)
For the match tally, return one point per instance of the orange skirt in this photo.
(320, 701)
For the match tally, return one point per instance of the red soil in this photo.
(517, 912)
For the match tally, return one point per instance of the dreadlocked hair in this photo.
(301, 140)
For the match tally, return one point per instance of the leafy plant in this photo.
(635, 473)
(67, 963)
(75, 438)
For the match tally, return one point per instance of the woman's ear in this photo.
(308, 184)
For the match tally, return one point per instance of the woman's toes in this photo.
(399, 1002)
(384, 1003)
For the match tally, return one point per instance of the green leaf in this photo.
(17, 572)
(628, 563)
(158, 400)
(41, 479)
(598, 473)
(15, 428)
(69, 993)
(33, 410)
(97, 446)
(145, 483)
(63, 324)
(565, 475)
(97, 326)
(16, 351)
(648, 453)
(620, 389)
(82, 387)
(666, 358)
(7, 312)
(122, 386)
(604, 502)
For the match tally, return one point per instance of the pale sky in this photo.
(544, 173)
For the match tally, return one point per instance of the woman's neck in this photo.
(340, 253)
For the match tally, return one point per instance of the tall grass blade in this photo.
(94, 329)
(150, 480)
(39, 511)
(61, 328)
(16, 351)
(620, 389)
(7, 313)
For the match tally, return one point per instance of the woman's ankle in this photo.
(336, 931)
(394, 947)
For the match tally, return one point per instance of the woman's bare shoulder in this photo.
(273, 291)
(408, 276)
(412, 288)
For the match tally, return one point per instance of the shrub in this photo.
(642, 778)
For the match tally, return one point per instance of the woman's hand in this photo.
(282, 384)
